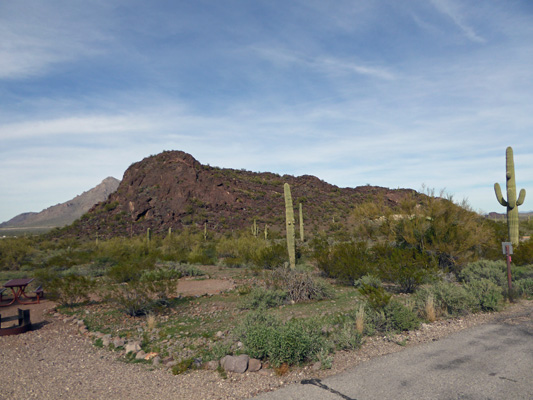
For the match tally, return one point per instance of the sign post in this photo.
(507, 248)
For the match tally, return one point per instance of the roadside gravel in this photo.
(54, 361)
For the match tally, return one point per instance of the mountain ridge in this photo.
(173, 190)
(65, 213)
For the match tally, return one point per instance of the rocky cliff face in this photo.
(65, 213)
(173, 190)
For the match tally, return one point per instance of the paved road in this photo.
(492, 361)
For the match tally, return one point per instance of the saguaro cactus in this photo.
(512, 202)
(255, 230)
(289, 219)
(149, 235)
(301, 217)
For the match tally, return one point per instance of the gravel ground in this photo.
(54, 361)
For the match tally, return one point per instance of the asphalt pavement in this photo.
(491, 361)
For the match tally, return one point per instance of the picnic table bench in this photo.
(18, 288)
(24, 323)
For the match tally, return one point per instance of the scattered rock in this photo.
(237, 364)
(133, 347)
(140, 355)
(119, 342)
(254, 365)
(211, 365)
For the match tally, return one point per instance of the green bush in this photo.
(487, 293)
(523, 287)
(346, 337)
(264, 298)
(523, 254)
(203, 253)
(15, 252)
(368, 280)
(137, 298)
(449, 299)
(406, 267)
(400, 318)
(292, 342)
(376, 297)
(71, 289)
(494, 271)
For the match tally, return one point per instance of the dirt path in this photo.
(54, 361)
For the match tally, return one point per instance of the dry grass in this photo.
(430, 309)
(150, 322)
(360, 319)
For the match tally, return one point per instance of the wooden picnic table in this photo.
(18, 287)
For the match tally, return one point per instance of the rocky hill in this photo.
(65, 213)
(173, 190)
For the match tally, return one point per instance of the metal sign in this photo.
(504, 247)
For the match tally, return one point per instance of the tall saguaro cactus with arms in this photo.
(512, 202)
(289, 218)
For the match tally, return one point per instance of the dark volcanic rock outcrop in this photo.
(173, 190)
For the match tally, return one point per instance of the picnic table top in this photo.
(18, 282)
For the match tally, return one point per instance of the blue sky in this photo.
(388, 93)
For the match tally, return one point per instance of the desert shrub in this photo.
(347, 337)
(179, 268)
(264, 298)
(271, 256)
(406, 267)
(494, 271)
(523, 287)
(520, 272)
(70, 289)
(368, 280)
(449, 299)
(452, 232)
(377, 298)
(203, 253)
(132, 298)
(128, 271)
(292, 342)
(160, 283)
(15, 252)
(346, 261)
(241, 251)
(299, 285)
(523, 254)
(399, 318)
(488, 295)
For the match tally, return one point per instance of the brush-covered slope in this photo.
(173, 190)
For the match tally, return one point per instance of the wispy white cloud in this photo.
(359, 95)
(452, 9)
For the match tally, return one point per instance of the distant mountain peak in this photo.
(65, 213)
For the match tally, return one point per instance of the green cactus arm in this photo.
(521, 197)
(499, 195)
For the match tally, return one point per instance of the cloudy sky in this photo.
(386, 92)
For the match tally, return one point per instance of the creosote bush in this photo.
(70, 289)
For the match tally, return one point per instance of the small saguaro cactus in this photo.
(301, 217)
(205, 230)
(266, 232)
(255, 230)
(289, 219)
(148, 234)
(512, 202)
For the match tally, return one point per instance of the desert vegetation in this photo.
(381, 269)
